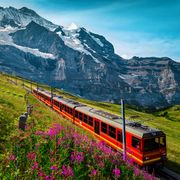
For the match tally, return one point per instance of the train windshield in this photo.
(154, 143)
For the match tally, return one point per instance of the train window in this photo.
(56, 103)
(151, 144)
(135, 142)
(70, 110)
(61, 107)
(104, 127)
(85, 118)
(80, 116)
(119, 136)
(76, 114)
(65, 108)
(90, 121)
(162, 141)
(112, 132)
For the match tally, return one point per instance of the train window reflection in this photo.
(135, 142)
(162, 141)
(151, 144)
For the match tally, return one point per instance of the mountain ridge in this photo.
(83, 62)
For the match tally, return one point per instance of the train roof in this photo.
(133, 127)
(116, 121)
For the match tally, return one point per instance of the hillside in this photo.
(51, 147)
(167, 120)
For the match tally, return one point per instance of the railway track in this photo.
(167, 174)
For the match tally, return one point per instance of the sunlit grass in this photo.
(166, 120)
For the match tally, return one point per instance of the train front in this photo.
(154, 148)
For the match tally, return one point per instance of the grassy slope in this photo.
(167, 120)
(12, 105)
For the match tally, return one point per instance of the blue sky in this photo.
(135, 27)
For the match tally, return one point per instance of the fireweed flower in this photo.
(54, 168)
(39, 133)
(93, 172)
(37, 146)
(55, 130)
(136, 171)
(60, 141)
(117, 172)
(67, 171)
(34, 166)
(31, 155)
(77, 157)
(40, 173)
(12, 157)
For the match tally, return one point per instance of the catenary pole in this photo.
(123, 128)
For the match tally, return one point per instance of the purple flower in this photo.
(31, 155)
(54, 168)
(60, 140)
(136, 171)
(35, 166)
(101, 164)
(49, 178)
(117, 172)
(67, 171)
(12, 157)
(39, 133)
(77, 157)
(40, 173)
(37, 146)
(93, 172)
(55, 130)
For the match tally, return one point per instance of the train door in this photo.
(96, 127)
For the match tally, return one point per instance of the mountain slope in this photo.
(83, 62)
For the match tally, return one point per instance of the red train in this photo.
(145, 145)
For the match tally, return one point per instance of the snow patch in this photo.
(72, 26)
(98, 41)
(70, 39)
(123, 76)
(6, 39)
(35, 52)
(89, 48)
(23, 19)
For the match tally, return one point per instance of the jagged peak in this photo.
(28, 11)
(34, 24)
(72, 26)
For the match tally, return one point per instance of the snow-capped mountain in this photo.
(83, 62)
(22, 17)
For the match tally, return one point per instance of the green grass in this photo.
(12, 105)
(167, 120)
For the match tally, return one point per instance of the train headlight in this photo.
(146, 158)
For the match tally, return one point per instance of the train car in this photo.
(145, 145)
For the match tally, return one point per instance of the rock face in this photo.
(83, 62)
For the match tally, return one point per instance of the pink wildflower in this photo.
(35, 166)
(40, 173)
(77, 157)
(67, 171)
(54, 168)
(93, 172)
(31, 155)
(39, 133)
(117, 172)
(37, 146)
(12, 157)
